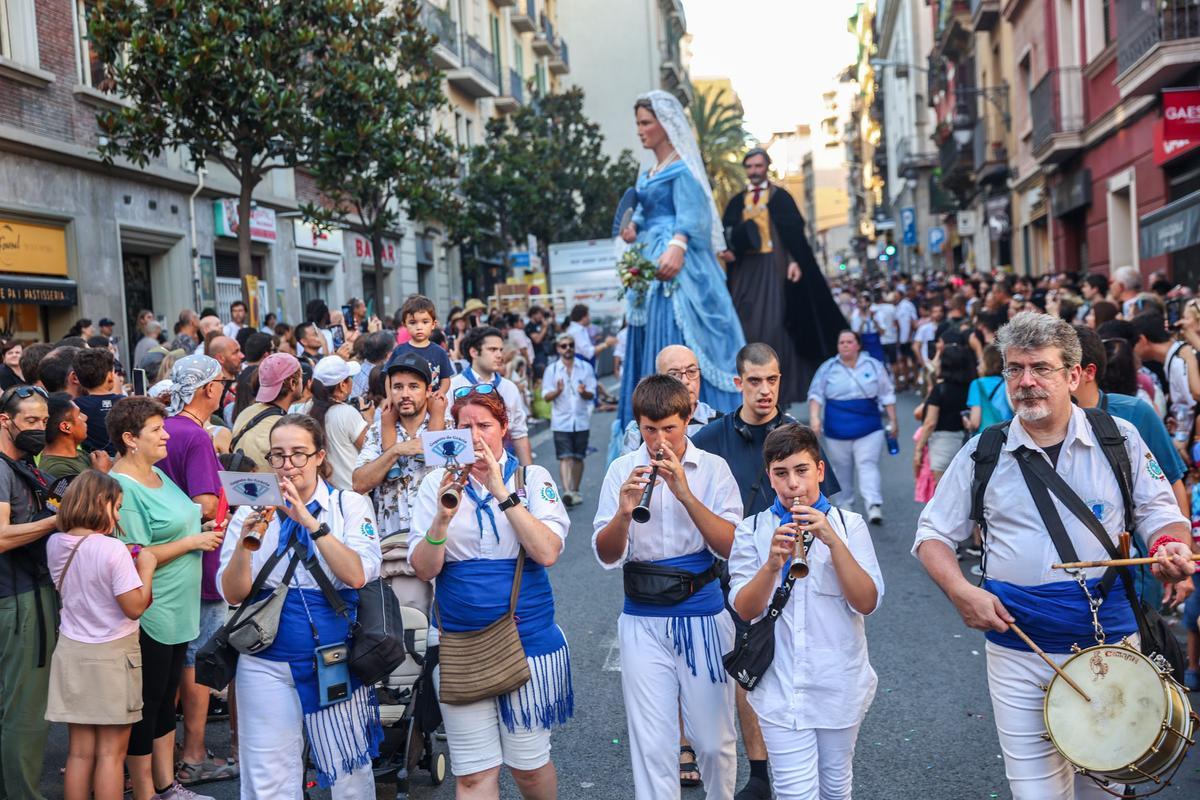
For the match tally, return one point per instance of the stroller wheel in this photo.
(438, 772)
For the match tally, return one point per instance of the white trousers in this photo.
(271, 737)
(1034, 768)
(856, 462)
(655, 682)
(811, 763)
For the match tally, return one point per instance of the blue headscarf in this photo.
(483, 504)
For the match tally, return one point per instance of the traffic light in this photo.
(890, 250)
(842, 266)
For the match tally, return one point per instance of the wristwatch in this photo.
(319, 532)
(511, 502)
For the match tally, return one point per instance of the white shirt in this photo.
(906, 315)
(821, 676)
(867, 379)
(1179, 392)
(569, 411)
(518, 338)
(924, 335)
(464, 541)
(343, 426)
(350, 519)
(1018, 548)
(231, 329)
(583, 341)
(670, 531)
(885, 321)
(703, 415)
(394, 498)
(518, 426)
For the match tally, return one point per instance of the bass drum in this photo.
(1138, 725)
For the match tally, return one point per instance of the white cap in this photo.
(332, 370)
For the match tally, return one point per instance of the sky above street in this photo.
(780, 54)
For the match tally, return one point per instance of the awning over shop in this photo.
(38, 291)
(1175, 226)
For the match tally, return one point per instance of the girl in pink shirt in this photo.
(96, 671)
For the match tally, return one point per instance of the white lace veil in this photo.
(679, 130)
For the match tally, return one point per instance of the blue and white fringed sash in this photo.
(682, 619)
(344, 737)
(473, 594)
(1057, 616)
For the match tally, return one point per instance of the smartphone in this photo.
(139, 381)
(339, 336)
(1175, 311)
(348, 316)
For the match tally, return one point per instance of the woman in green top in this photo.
(156, 514)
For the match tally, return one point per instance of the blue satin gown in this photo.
(694, 309)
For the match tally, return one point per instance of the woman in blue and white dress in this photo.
(470, 552)
(844, 402)
(677, 225)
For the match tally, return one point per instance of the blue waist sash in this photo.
(1056, 615)
(706, 602)
(852, 419)
(294, 643)
(473, 594)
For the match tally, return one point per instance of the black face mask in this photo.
(30, 441)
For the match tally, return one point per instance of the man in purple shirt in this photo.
(192, 464)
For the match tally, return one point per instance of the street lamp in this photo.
(963, 125)
(902, 67)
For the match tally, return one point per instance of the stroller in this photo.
(408, 705)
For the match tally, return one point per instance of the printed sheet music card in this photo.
(453, 446)
(252, 488)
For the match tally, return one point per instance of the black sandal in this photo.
(688, 767)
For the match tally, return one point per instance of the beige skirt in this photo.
(96, 684)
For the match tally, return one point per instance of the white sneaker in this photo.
(179, 792)
(875, 514)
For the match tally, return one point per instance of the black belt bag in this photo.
(664, 586)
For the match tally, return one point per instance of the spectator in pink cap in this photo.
(276, 384)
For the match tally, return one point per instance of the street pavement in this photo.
(929, 734)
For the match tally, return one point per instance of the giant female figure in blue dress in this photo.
(678, 226)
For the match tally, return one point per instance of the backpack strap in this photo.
(272, 411)
(986, 454)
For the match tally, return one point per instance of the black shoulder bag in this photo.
(1156, 636)
(754, 650)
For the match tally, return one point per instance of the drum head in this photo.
(1122, 721)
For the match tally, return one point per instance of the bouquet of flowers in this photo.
(635, 271)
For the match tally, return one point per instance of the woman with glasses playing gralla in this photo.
(283, 698)
(470, 550)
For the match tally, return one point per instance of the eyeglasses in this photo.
(298, 459)
(479, 388)
(22, 393)
(1040, 372)
(691, 373)
(566, 346)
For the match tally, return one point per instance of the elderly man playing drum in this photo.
(1021, 587)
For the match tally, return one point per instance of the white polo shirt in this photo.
(569, 412)
(583, 341)
(670, 531)
(1019, 550)
(518, 426)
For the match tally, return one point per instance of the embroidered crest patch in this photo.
(368, 530)
(547, 493)
(1154, 469)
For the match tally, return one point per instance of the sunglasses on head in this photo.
(22, 393)
(479, 388)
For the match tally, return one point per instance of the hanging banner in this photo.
(1181, 113)
(225, 221)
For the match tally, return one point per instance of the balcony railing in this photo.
(1142, 24)
(438, 22)
(516, 87)
(954, 29)
(524, 16)
(1056, 105)
(480, 59)
(560, 63)
(991, 155)
(912, 155)
(985, 14)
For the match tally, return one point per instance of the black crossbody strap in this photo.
(259, 581)
(1035, 470)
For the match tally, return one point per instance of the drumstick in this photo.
(1046, 658)
(1116, 562)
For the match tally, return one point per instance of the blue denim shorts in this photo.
(212, 617)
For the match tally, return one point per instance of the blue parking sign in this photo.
(908, 224)
(937, 237)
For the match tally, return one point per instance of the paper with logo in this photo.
(252, 488)
(452, 446)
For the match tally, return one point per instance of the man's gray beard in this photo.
(1033, 414)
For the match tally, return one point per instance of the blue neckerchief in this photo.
(785, 514)
(483, 505)
(470, 375)
(290, 529)
(1056, 615)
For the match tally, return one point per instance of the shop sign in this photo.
(966, 223)
(36, 249)
(1181, 113)
(1175, 226)
(363, 251)
(313, 237)
(1169, 149)
(999, 220)
(1071, 193)
(262, 221)
(32, 291)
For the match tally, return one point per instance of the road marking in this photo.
(612, 662)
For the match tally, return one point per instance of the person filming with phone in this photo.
(284, 697)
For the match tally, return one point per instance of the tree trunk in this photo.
(377, 259)
(245, 263)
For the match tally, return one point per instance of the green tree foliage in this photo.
(721, 133)
(541, 171)
(377, 153)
